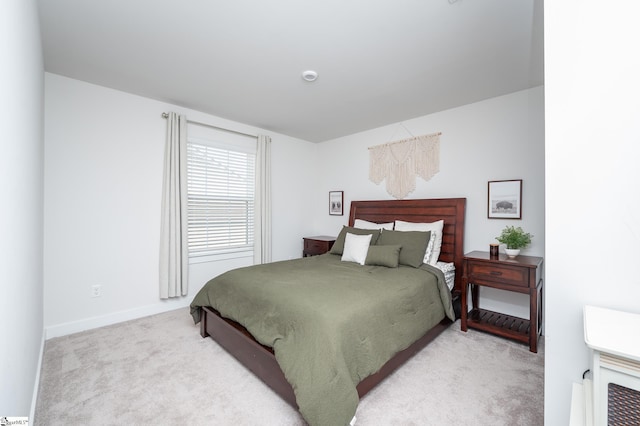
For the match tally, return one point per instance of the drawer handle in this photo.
(496, 273)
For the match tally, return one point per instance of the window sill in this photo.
(220, 256)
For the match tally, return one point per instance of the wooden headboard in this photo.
(452, 210)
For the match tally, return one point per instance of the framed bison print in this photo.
(505, 199)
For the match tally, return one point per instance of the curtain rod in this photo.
(165, 115)
(407, 139)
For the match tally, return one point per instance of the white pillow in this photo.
(429, 250)
(449, 270)
(364, 224)
(434, 227)
(356, 248)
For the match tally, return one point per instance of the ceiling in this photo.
(379, 61)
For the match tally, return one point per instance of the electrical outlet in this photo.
(96, 290)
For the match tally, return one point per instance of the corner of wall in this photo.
(36, 384)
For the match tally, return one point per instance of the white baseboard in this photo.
(576, 417)
(582, 404)
(113, 318)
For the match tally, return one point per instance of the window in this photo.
(220, 188)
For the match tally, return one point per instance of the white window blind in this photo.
(221, 186)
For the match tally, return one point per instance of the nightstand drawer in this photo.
(513, 276)
(317, 245)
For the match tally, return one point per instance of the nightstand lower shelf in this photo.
(500, 324)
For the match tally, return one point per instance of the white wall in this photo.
(103, 179)
(21, 194)
(103, 173)
(500, 138)
(592, 93)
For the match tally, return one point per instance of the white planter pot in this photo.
(511, 253)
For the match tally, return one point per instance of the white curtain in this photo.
(262, 222)
(174, 254)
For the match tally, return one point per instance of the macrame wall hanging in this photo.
(399, 162)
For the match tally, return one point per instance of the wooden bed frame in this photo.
(261, 360)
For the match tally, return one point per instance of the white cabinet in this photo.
(614, 339)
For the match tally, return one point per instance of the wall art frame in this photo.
(336, 203)
(504, 199)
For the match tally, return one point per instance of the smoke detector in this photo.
(309, 75)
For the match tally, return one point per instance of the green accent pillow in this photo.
(338, 246)
(414, 245)
(383, 256)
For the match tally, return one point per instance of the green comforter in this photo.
(330, 323)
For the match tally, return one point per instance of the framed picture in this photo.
(336, 201)
(505, 199)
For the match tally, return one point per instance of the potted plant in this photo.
(515, 239)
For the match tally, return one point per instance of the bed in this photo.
(401, 335)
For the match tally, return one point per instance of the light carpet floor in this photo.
(159, 371)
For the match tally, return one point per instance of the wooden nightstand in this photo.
(523, 274)
(317, 245)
